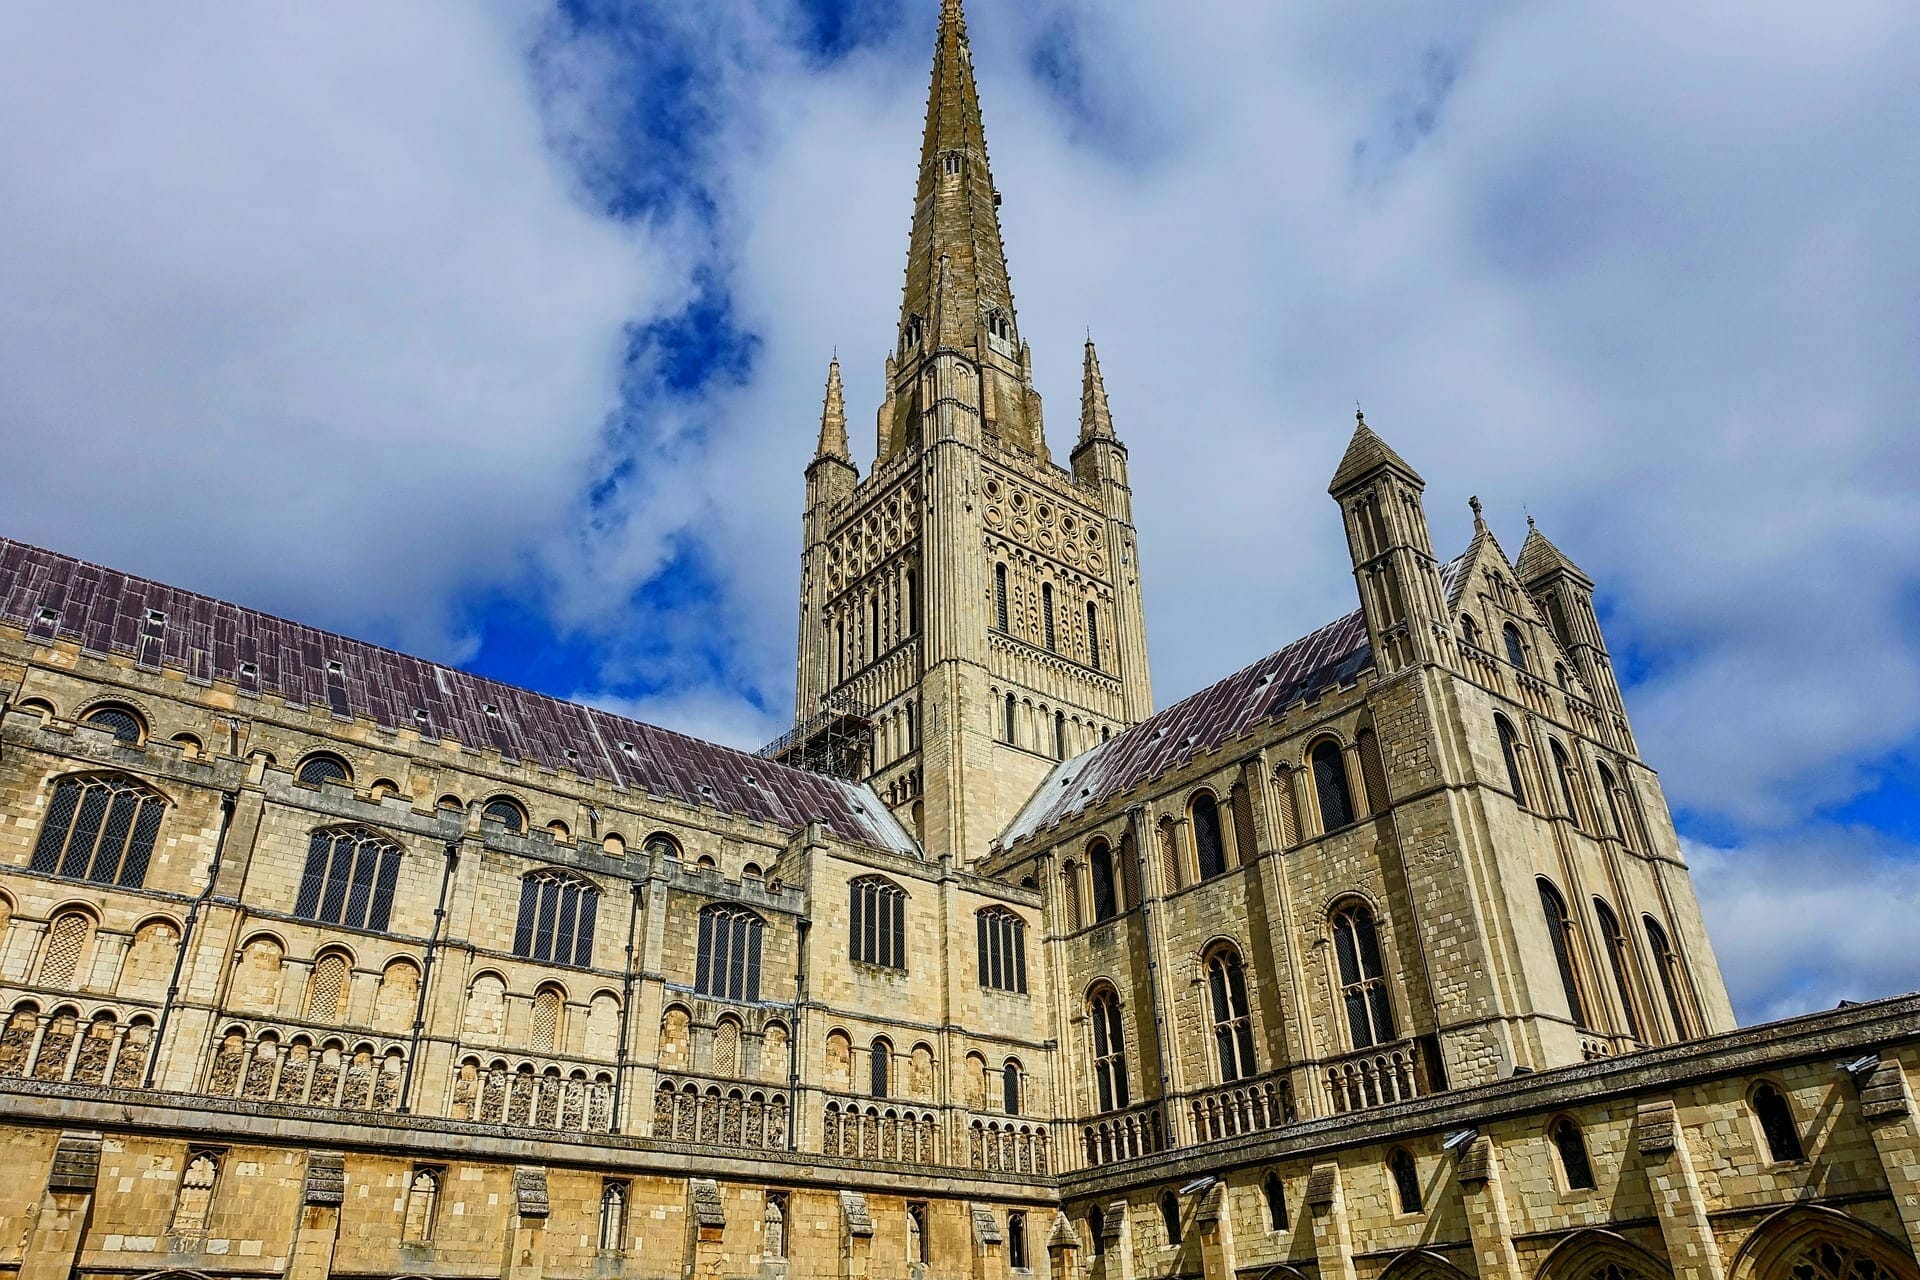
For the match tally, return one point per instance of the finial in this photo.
(1529, 521)
(1359, 415)
(1479, 521)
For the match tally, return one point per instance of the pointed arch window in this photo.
(1100, 867)
(423, 1205)
(1000, 618)
(878, 920)
(1003, 950)
(1093, 636)
(1611, 787)
(1563, 769)
(349, 879)
(1566, 943)
(1469, 631)
(1046, 613)
(1209, 848)
(1672, 979)
(1776, 1125)
(1169, 856)
(1363, 980)
(1275, 1194)
(1621, 963)
(1572, 1146)
(195, 1199)
(1109, 1050)
(727, 963)
(880, 1060)
(1330, 786)
(1232, 1025)
(1170, 1216)
(1070, 892)
(1510, 753)
(1516, 649)
(613, 1214)
(1373, 770)
(1406, 1180)
(556, 919)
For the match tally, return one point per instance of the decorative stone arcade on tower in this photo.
(976, 605)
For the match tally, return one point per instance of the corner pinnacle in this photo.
(833, 418)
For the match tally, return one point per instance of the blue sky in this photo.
(497, 332)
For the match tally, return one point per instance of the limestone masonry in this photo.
(1379, 958)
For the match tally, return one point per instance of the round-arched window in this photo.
(322, 767)
(123, 723)
(506, 813)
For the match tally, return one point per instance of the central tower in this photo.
(974, 603)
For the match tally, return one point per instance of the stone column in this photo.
(1332, 1241)
(1888, 1107)
(527, 1239)
(320, 1201)
(1486, 1205)
(59, 1223)
(1662, 1141)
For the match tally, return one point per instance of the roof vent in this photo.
(49, 615)
(420, 714)
(493, 712)
(250, 670)
(569, 753)
(1159, 733)
(628, 748)
(153, 615)
(335, 667)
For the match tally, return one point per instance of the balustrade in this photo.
(1246, 1106)
(1377, 1077)
(724, 1115)
(1123, 1135)
(874, 1130)
(1000, 1144)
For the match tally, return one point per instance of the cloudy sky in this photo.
(497, 332)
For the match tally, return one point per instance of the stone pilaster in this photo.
(527, 1240)
(1691, 1248)
(324, 1191)
(1332, 1241)
(59, 1223)
(1213, 1219)
(1887, 1103)
(1486, 1205)
(989, 1254)
(856, 1236)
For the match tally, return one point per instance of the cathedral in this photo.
(1377, 960)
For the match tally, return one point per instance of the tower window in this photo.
(1516, 651)
(1017, 1240)
(1208, 847)
(1060, 735)
(1000, 597)
(122, 722)
(1093, 636)
(998, 326)
(1276, 1196)
(1109, 1050)
(1170, 1216)
(506, 813)
(1010, 1088)
(951, 163)
(1010, 719)
(1232, 1028)
(322, 767)
(1672, 980)
(1100, 867)
(1046, 612)
(880, 1059)
(423, 1205)
(1510, 752)
(1560, 930)
(1617, 955)
(1330, 786)
(1363, 984)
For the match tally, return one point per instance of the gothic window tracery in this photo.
(1109, 1049)
(1565, 937)
(878, 923)
(1330, 786)
(1362, 974)
(100, 827)
(556, 918)
(349, 879)
(1209, 847)
(727, 962)
(1003, 950)
(1232, 1024)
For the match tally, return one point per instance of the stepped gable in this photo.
(1329, 657)
(55, 597)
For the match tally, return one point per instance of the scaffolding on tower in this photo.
(836, 740)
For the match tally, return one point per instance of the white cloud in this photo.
(297, 306)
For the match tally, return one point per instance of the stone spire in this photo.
(833, 418)
(955, 212)
(1540, 560)
(1367, 453)
(1096, 419)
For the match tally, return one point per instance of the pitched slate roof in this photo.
(51, 596)
(1365, 452)
(1330, 657)
(1538, 558)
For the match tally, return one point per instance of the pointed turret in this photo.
(833, 419)
(1096, 419)
(1565, 595)
(1366, 453)
(1392, 552)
